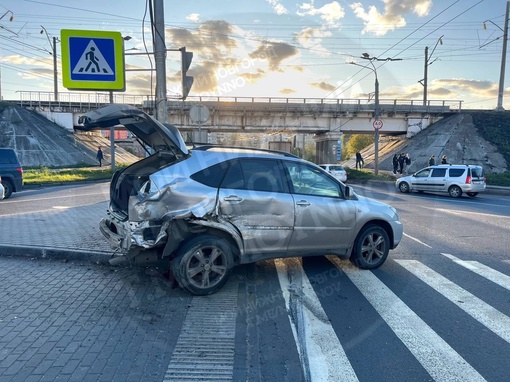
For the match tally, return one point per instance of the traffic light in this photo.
(187, 81)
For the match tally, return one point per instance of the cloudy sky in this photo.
(277, 48)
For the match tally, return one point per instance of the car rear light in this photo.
(20, 170)
(468, 179)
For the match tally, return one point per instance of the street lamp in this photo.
(11, 18)
(6, 13)
(377, 111)
(55, 71)
(425, 71)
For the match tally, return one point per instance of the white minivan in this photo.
(450, 178)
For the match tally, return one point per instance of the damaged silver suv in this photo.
(207, 209)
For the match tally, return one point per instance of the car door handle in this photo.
(303, 203)
(232, 198)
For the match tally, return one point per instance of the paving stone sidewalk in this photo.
(73, 232)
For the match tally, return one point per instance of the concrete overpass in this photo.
(327, 119)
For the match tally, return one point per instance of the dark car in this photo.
(209, 208)
(2, 189)
(11, 171)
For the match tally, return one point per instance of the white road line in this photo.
(321, 353)
(483, 270)
(466, 213)
(440, 360)
(487, 315)
(415, 239)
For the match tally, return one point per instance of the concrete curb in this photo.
(53, 253)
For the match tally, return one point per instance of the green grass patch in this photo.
(47, 175)
(363, 175)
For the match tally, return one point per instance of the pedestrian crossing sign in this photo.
(92, 60)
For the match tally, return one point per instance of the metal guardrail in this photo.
(92, 100)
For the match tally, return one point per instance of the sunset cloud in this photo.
(393, 17)
(330, 13)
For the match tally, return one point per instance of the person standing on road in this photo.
(432, 160)
(395, 164)
(401, 163)
(99, 156)
(359, 160)
(444, 160)
(407, 161)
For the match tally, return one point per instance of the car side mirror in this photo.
(347, 192)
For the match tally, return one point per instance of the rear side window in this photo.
(477, 172)
(7, 156)
(256, 175)
(212, 176)
(456, 172)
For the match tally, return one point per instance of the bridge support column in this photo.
(328, 147)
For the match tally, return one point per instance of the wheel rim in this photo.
(373, 248)
(455, 192)
(206, 267)
(403, 187)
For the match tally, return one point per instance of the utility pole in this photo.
(377, 113)
(55, 71)
(503, 60)
(425, 76)
(424, 82)
(503, 55)
(160, 57)
(54, 54)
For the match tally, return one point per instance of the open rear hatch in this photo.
(164, 140)
(153, 133)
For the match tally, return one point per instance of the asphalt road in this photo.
(438, 309)
(40, 199)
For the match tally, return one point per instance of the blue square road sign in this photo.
(93, 60)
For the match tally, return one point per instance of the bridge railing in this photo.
(319, 104)
(91, 100)
(83, 101)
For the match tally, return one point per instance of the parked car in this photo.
(2, 190)
(453, 179)
(336, 170)
(209, 208)
(11, 171)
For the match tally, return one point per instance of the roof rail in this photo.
(205, 147)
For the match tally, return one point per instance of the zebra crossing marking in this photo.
(416, 240)
(487, 315)
(322, 354)
(440, 360)
(483, 270)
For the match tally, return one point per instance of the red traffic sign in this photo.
(378, 124)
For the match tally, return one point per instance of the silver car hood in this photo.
(159, 136)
